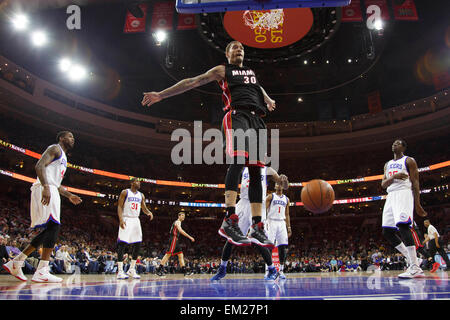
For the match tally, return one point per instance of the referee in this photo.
(435, 242)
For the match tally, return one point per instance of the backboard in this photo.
(199, 6)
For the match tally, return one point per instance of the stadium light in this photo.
(20, 22)
(77, 72)
(65, 64)
(160, 36)
(39, 38)
(378, 24)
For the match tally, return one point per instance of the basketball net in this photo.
(263, 20)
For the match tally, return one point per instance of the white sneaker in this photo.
(132, 273)
(282, 275)
(15, 269)
(43, 275)
(419, 261)
(412, 272)
(121, 275)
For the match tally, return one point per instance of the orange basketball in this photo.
(317, 196)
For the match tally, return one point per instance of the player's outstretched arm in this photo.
(215, 74)
(414, 177)
(268, 200)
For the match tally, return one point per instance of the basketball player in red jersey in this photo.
(401, 181)
(245, 103)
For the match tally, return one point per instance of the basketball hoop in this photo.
(263, 20)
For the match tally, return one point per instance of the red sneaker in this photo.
(435, 267)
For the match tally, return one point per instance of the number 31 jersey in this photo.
(132, 204)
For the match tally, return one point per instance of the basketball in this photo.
(317, 196)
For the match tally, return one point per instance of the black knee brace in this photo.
(405, 232)
(391, 236)
(37, 241)
(136, 249)
(255, 187)
(120, 250)
(265, 253)
(51, 234)
(232, 177)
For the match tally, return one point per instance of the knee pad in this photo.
(406, 234)
(255, 187)
(391, 236)
(232, 177)
(51, 234)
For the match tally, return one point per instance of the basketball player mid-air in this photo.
(174, 249)
(245, 103)
(129, 206)
(278, 223)
(401, 181)
(243, 211)
(45, 208)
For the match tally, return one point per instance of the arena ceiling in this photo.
(125, 65)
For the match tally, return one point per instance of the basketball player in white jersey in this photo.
(278, 223)
(129, 206)
(244, 213)
(401, 181)
(45, 208)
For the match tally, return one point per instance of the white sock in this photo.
(223, 263)
(281, 267)
(133, 264)
(413, 255)
(20, 257)
(42, 264)
(404, 251)
(120, 266)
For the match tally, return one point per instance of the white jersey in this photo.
(431, 231)
(55, 170)
(277, 207)
(245, 181)
(396, 166)
(132, 204)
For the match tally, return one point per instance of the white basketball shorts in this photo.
(277, 232)
(41, 214)
(398, 209)
(132, 232)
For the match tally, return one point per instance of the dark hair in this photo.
(402, 141)
(229, 46)
(61, 134)
(181, 212)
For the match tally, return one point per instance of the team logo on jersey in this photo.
(395, 166)
(64, 162)
(279, 202)
(134, 199)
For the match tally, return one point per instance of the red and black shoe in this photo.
(231, 231)
(258, 236)
(435, 267)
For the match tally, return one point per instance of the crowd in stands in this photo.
(87, 243)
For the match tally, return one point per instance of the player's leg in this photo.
(42, 273)
(226, 254)
(135, 248)
(282, 241)
(160, 269)
(257, 234)
(181, 263)
(229, 228)
(120, 253)
(442, 252)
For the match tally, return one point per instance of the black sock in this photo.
(230, 211)
(256, 219)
